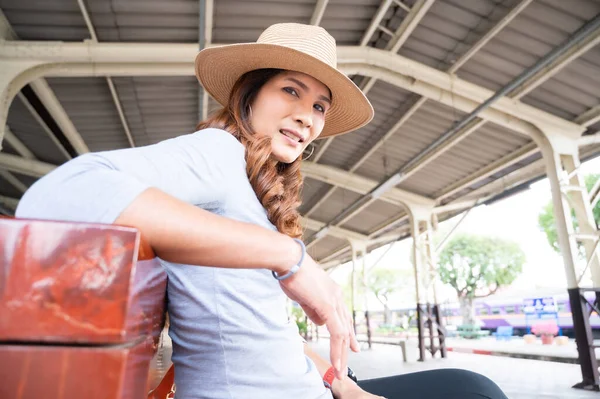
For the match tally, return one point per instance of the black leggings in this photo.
(435, 384)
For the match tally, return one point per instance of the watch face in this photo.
(351, 375)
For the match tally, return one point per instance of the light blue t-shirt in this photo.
(231, 335)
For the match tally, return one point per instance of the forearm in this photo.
(182, 233)
(323, 365)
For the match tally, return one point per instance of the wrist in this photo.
(289, 268)
(341, 388)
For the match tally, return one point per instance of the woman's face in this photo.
(291, 109)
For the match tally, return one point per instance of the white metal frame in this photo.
(109, 81)
(318, 12)
(47, 97)
(407, 26)
(27, 62)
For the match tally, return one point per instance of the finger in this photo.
(354, 345)
(336, 341)
(344, 368)
(343, 315)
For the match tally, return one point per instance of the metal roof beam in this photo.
(17, 144)
(22, 150)
(360, 184)
(371, 151)
(514, 12)
(595, 194)
(486, 38)
(9, 202)
(514, 157)
(319, 11)
(463, 59)
(43, 125)
(111, 85)
(47, 98)
(589, 139)
(555, 59)
(561, 62)
(97, 59)
(450, 90)
(375, 21)
(496, 166)
(204, 39)
(29, 167)
(408, 25)
(389, 224)
(421, 101)
(590, 117)
(12, 179)
(337, 232)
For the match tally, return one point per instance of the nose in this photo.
(303, 114)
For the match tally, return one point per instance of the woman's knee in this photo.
(472, 381)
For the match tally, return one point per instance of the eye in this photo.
(319, 108)
(291, 90)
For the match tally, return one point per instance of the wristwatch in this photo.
(330, 376)
(351, 375)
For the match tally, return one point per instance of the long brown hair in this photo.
(277, 185)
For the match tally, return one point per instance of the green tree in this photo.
(547, 223)
(383, 283)
(300, 319)
(477, 266)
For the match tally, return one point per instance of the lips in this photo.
(292, 135)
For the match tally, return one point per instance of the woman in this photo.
(226, 197)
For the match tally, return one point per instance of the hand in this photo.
(321, 299)
(347, 389)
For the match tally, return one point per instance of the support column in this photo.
(359, 249)
(425, 268)
(569, 193)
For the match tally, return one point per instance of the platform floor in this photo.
(517, 347)
(519, 378)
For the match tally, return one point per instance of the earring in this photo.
(312, 149)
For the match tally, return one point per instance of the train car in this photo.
(492, 313)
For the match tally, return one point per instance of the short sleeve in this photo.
(97, 187)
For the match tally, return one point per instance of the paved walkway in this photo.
(519, 378)
(515, 347)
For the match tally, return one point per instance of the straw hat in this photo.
(302, 48)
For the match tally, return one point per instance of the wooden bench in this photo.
(471, 331)
(504, 333)
(81, 310)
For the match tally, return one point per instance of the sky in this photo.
(514, 218)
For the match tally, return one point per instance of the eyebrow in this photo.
(305, 88)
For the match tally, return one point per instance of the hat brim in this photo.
(218, 68)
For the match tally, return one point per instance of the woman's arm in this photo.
(182, 233)
(341, 389)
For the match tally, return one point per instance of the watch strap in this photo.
(328, 377)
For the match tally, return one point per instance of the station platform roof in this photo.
(452, 55)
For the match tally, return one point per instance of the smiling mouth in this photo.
(291, 136)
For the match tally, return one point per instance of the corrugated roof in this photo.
(157, 108)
